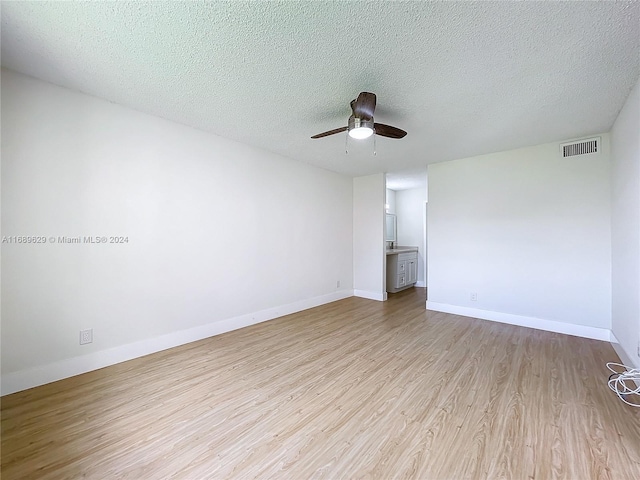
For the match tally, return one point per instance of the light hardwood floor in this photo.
(353, 389)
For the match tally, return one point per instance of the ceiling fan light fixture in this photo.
(360, 129)
(361, 124)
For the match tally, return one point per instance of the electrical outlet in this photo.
(474, 297)
(638, 348)
(338, 284)
(86, 336)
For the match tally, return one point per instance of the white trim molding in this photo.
(625, 358)
(40, 375)
(523, 321)
(381, 297)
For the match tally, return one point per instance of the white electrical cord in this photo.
(625, 382)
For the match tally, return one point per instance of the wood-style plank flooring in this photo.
(353, 389)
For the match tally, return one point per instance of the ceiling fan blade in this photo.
(330, 132)
(388, 131)
(364, 105)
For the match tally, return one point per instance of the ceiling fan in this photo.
(361, 124)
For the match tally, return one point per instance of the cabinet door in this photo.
(412, 271)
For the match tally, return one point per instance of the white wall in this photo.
(529, 232)
(410, 207)
(369, 261)
(220, 234)
(625, 235)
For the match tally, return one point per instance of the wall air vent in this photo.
(580, 147)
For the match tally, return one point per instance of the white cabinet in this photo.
(402, 271)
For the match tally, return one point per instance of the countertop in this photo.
(401, 249)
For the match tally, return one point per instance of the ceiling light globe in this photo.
(360, 132)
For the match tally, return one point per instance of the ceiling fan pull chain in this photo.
(346, 144)
(374, 145)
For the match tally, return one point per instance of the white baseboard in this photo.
(381, 297)
(33, 377)
(523, 321)
(421, 283)
(625, 358)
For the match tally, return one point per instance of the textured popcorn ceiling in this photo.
(462, 78)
